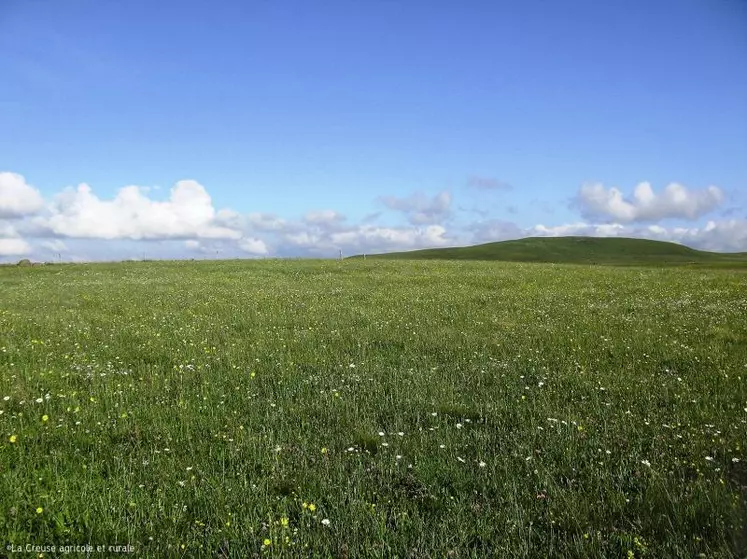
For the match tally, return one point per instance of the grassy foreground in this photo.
(374, 408)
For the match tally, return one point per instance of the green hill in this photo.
(577, 250)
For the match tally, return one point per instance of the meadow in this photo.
(374, 408)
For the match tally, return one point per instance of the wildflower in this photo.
(401, 434)
(284, 521)
(13, 438)
(709, 458)
(381, 433)
(6, 398)
(312, 507)
(39, 400)
(735, 460)
(39, 510)
(459, 426)
(442, 446)
(267, 542)
(326, 522)
(45, 418)
(324, 450)
(482, 464)
(646, 463)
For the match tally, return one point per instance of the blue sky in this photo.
(376, 125)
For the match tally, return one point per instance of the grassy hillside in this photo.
(374, 409)
(578, 250)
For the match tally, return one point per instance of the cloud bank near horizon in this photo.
(77, 224)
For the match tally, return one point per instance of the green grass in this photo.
(424, 408)
(579, 250)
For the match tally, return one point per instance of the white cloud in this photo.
(324, 217)
(379, 239)
(14, 247)
(260, 221)
(54, 245)
(419, 208)
(253, 246)
(131, 214)
(487, 183)
(675, 201)
(579, 229)
(17, 198)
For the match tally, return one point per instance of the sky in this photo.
(224, 129)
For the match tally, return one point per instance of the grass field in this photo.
(616, 251)
(374, 408)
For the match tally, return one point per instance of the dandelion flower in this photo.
(45, 418)
(312, 507)
(13, 438)
(267, 542)
(39, 510)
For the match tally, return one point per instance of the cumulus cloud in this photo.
(14, 247)
(371, 238)
(675, 201)
(579, 229)
(54, 245)
(488, 183)
(260, 221)
(419, 208)
(324, 217)
(495, 230)
(17, 198)
(253, 246)
(188, 213)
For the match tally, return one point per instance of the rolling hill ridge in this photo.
(576, 250)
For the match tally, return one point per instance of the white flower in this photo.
(459, 425)
(381, 433)
(39, 400)
(646, 463)
(401, 434)
(434, 414)
(442, 446)
(326, 522)
(398, 457)
(482, 464)
(384, 444)
(352, 365)
(709, 458)
(735, 460)
(8, 398)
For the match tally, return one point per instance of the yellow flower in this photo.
(284, 521)
(13, 438)
(324, 450)
(267, 541)
(45, 418)
(39, 510)
(312, 507)
(305, 505)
